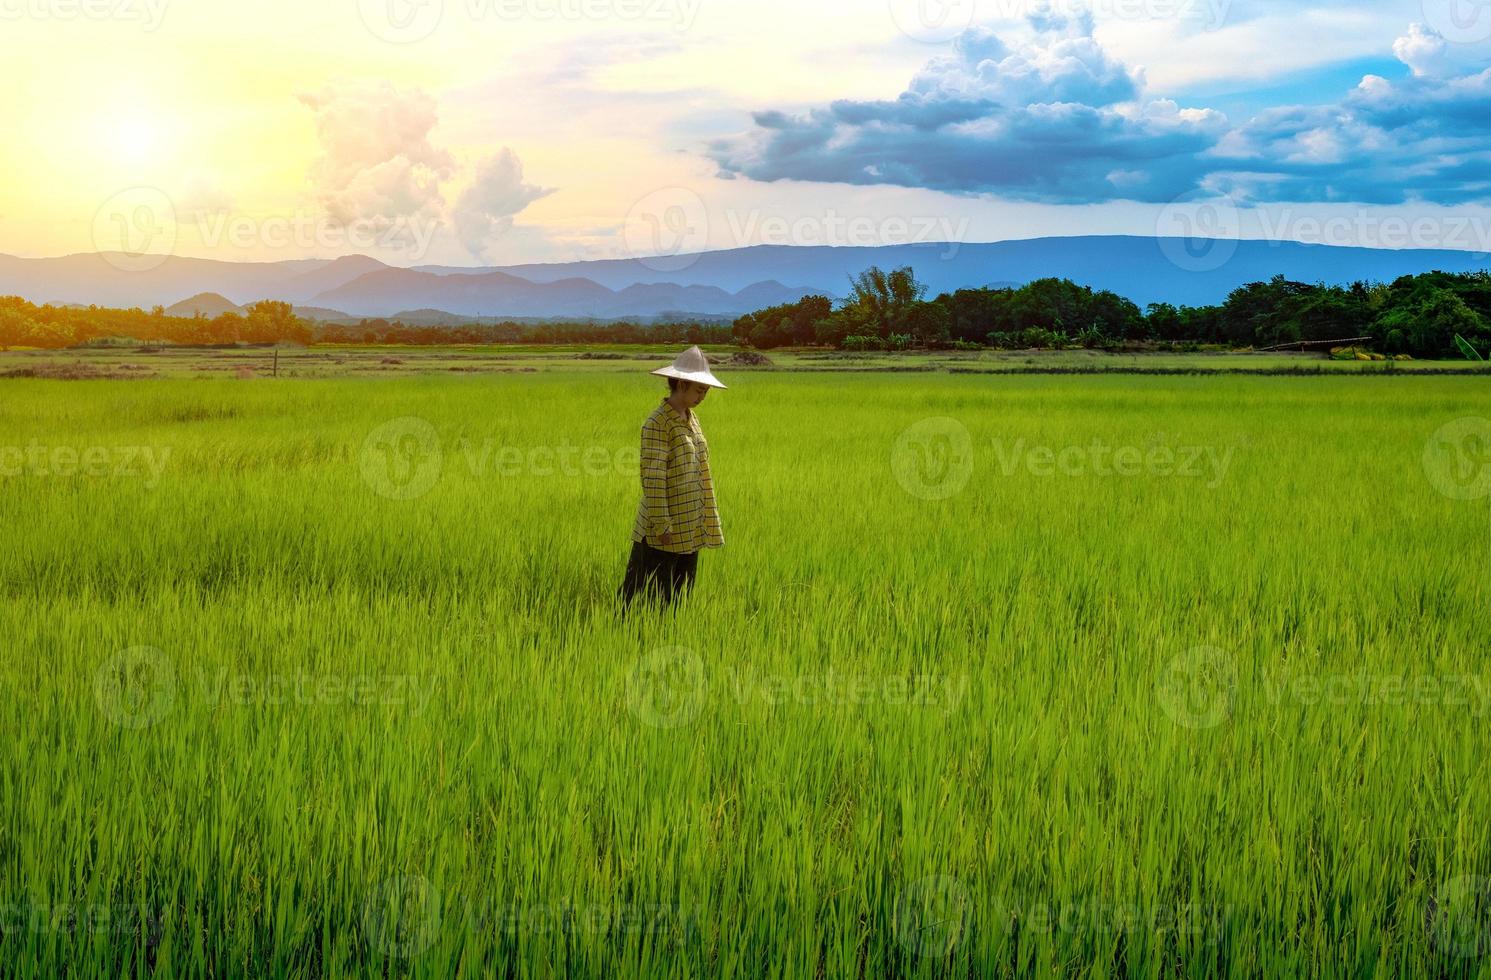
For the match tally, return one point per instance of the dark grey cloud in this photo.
(1046, 115)
(1420, 138)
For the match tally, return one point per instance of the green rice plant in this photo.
(995, 676)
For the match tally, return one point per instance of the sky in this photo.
(496, 132)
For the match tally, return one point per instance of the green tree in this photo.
(270, 321)
(226, 328)
(832, 329)
(975, 313)
(1427, 327)
(882, 299)
(788, 323)
(16, 328)
(1163, 321)
(927, 323)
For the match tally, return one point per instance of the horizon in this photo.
(737, 248)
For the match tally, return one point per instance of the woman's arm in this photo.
(713, 534)
(655, 453)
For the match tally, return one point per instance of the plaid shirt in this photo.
(677, 490)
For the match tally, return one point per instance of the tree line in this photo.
(25, 324)
(1419, 315)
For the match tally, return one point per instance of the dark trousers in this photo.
(661, 575)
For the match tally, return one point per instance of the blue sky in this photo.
(1311, 86)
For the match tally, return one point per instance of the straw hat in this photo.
(691, 365)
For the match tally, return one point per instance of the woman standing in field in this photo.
(677, 515)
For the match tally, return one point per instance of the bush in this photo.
(1090, 337)
(106, 342)
(1040, 337)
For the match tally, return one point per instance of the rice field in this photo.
(995, 675)
(137, 362)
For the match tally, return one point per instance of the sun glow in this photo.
(136, 135)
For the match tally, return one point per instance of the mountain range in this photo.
(720, 283)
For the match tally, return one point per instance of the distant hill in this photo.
(101, 279)
(503, 295)
(322, 313)
(444, 318)
(204, 304)
(719, 284)
(335, 273)
(1146, 270)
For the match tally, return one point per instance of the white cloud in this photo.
(1421, 49)
(1057, 61)
(377, 164)
(380, 167)
(497, 192)
(1175, 53)
(1044, 114)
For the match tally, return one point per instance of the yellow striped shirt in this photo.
(677, 489)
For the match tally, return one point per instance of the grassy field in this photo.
(995, 675)
(145, 362)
